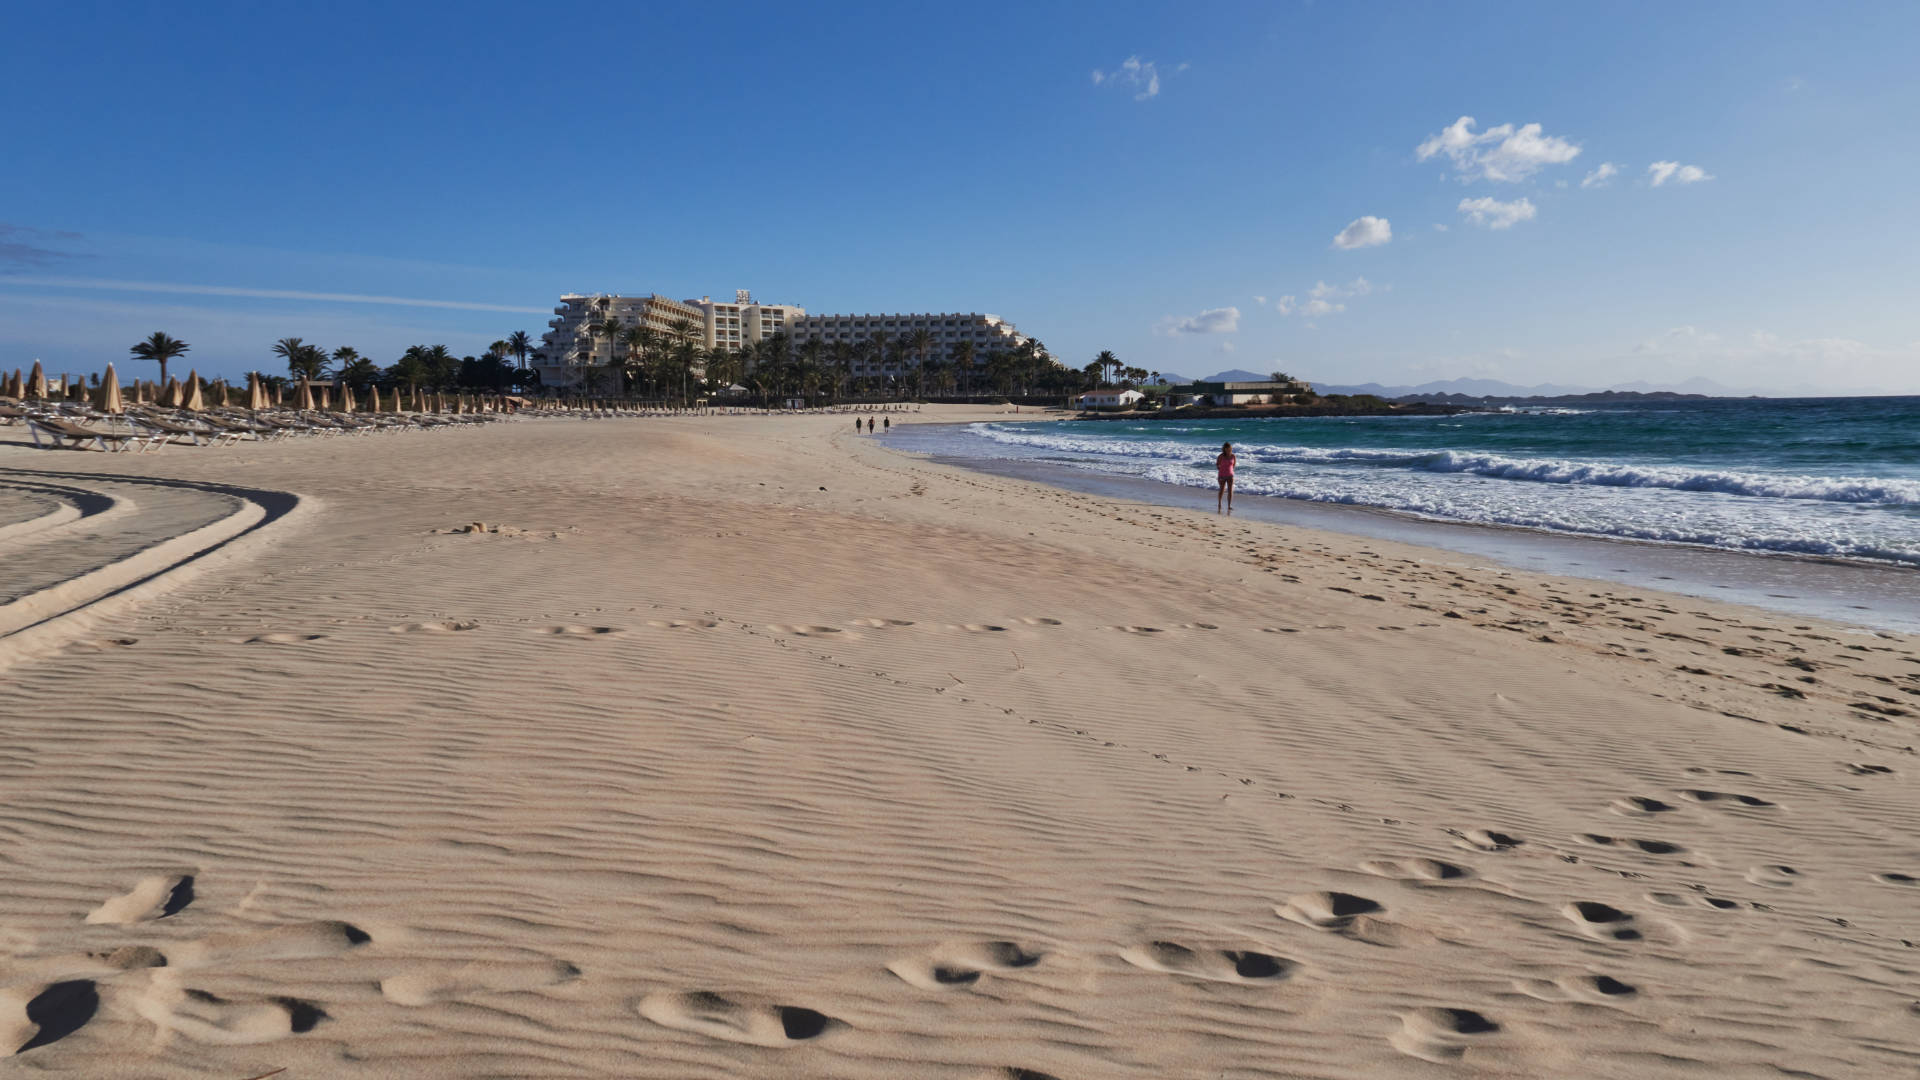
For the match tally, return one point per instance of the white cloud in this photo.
(1364, 232)
(1323, 299)
(1437, 227)
(1660, 172)
(1495, 214)
(1139, 75)
(1224, 320)
(1226, 346)
(1260, 300)
(1357, 287)
(1501, 153)
(1601, 176)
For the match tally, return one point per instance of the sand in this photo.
(748, 747)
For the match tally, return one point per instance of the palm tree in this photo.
(303, 360)
(519, 344)
(841, 356)
(1106, 360)
(920, 343)
(962, 355)
(879, 347)
(161, 348)
(813, 361)
(720, 367)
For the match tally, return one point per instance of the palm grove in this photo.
(674, 364)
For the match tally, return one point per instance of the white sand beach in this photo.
(744, 746)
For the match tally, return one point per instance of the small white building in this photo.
(1109, 399)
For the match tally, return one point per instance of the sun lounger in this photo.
(233, 430)
(172, 431)
(77, 436)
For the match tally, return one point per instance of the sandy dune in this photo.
(746, 747)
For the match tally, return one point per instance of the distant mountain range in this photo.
(1476, 388)
(1488, 388)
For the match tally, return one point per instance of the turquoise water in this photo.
(1835, 477)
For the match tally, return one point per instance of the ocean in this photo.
(1831, 477)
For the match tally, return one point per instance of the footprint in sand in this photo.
(455, 981)
(882, 624)
(153, 897)
(1774, 876)
(280, 639)
(580, 631)
(1640, 805)
(1897, 879)
(442, 627)
(1440, 1034)
(1488, 840)
(1198, 626)
(205, 1017)
(1602, 921)
(1134, 629)
(1650, 847)
(1355, 917)
(1036, 620)
(293, 941)
(682, 624)
(1597, 988)
(961, 964)
(35, 1015)
(1861, 769)
(1416, 869)
(1214, 965)
(804, 630)
(736, 1020)
(1717, 903)
(99, 644)
(1727, 798)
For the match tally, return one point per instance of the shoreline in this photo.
(1873, 595)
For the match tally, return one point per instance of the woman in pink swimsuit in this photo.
(1224, 463)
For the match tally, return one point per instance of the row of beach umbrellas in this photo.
(194, 396)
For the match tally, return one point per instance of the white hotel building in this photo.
(569, 345)
(988, 333)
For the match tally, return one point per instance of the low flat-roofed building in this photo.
(1109, 399)
(1239, 393)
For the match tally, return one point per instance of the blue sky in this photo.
(226, 172)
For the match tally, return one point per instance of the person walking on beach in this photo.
(869, 425)
(886, 423)
(1224, 465)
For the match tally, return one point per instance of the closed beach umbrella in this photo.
(190, 398)
(37, 382)
(10, 386)
(172, 396)
(256, 392)
(346, 398)
(217, 393)
(373, 399)
(325, 394)
(107, 398)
